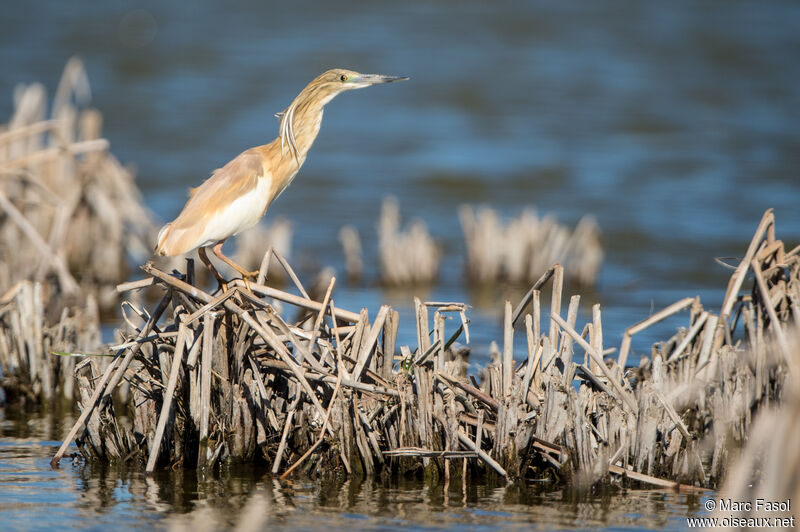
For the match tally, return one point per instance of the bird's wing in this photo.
(225, 185)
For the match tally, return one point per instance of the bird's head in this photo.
(318, 93)
(339, 80)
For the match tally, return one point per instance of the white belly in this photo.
(243, 213)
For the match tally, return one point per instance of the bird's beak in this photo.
(374, 79)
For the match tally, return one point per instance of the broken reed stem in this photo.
(482, 454)
(276, 464)
(369, 344)
(532, 293)
(555, 303)
(654, 481)
(321, 314)
(508, 350)
(644, 324)
(87, 410)
(597, 335)
(475, 392)
(321, 437)
(76, 148)
(308, 304)
(622, 394)
(698, 324)
(708, 343)
(389, 341)
(205, 386)
(290, 272)
(533, 355)
(166, 407)
(762, 287)
(738, 276)
(30, 130)
(263, 268)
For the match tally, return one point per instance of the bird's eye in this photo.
(343, 77)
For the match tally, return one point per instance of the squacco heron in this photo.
(238, 195)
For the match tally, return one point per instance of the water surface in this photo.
(98, 497)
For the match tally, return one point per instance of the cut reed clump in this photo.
(220, 378)
(69, 211)
(766, 468)
(36, 340)
(520, 250)
(409, 256)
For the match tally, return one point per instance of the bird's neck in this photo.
(306, 127)
(305, 114)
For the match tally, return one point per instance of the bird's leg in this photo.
(246, 275)
(223, 283)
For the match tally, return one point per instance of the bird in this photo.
(238, 195)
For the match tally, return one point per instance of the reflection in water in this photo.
(84, 495)
(417, 505)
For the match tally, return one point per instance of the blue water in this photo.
(674, 124)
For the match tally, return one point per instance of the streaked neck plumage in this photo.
(300, 122)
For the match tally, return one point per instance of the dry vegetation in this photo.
(219, 378)
(29, 333)
(68, 209)
(516, 252)
(409, 256)
(522, 249)
(71, 220)
(766, 468)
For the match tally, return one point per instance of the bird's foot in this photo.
(247, 277)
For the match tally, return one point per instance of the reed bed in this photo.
(219, 378)
(407, 257)
(517, 252)
(520, 250)
(766, 468)
(69, 211)
(30, 332)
